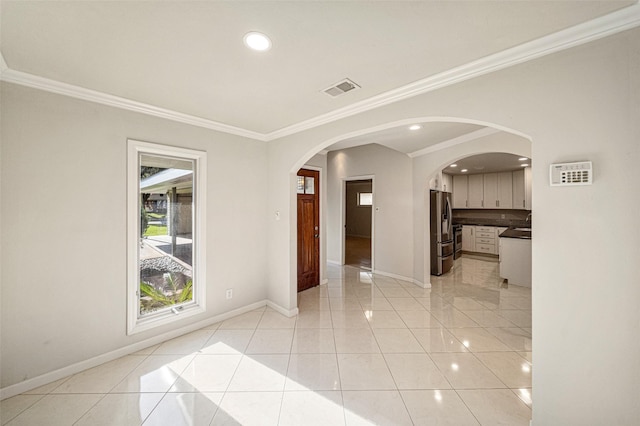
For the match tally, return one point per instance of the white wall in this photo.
(64, 226)
(579, 104)
(392, 234)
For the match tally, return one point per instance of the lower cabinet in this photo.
(481, 239)
(515, 261)
(486, 239)
(468, 238)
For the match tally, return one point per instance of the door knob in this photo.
(315, 235)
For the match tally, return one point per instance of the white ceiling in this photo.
(188, 57)
(487, 163)
(409, 141)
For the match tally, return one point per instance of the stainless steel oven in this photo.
(457, 241)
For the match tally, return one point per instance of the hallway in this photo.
(357, 252)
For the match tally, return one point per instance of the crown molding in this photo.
(615, 22)
(455, 141)
(53, 86)
(589, 31)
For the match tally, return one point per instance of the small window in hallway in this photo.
(165, 274)
(365, 199)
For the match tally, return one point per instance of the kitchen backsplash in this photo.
(495, 217)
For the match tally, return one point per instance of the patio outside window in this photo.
(165, 206)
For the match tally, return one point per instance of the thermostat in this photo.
(569, 174)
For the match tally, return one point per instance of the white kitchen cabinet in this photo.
(447, 183)
(480, 239)
(500, 230)
(490, 190)
(486, 240)
(498, 188)
(460, 190)
(475, 192)
(518, 189)
(505, 190)
(527, 187)
(522, 189)
(468, 238)
(515, 261)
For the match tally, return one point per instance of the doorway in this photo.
(358, 223)
(308, 207)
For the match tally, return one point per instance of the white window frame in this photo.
(136, 323)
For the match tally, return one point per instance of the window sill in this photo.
(167, 317)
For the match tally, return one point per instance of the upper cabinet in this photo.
(498, 189)
(475, 196)
(447, 183)
(522, 189)
(490, 190)
(460, 190)
(504, 190)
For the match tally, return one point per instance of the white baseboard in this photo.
(421, 284)
(334, 262)
(286, 312)
(325, 281)
(403, 278)
(43, 379)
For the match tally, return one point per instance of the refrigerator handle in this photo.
(450, 215)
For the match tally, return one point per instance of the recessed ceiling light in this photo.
(257, 41)
(522, 159)
(415, 127)
(464, 170)
(453, 165)
(524, 165)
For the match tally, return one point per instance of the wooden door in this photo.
(308, 229)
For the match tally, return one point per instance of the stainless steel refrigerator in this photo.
(441, 233)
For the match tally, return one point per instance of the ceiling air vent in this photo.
(341, 87)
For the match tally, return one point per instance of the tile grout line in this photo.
(26, 408)
(286, 374)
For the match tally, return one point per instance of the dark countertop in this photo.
(506, 223)
(517, 233)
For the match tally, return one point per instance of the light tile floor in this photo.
(365, 349)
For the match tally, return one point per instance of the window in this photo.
(365, 198)
(166, 245)
(306, 185)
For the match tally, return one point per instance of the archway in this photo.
(425, 167)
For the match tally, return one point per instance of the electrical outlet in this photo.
(229, 293)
